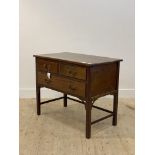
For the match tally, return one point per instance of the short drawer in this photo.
(45, 66)
(73, 71)
(68, 86)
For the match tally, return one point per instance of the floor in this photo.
(61, 131)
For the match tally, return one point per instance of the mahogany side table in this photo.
(86, 77)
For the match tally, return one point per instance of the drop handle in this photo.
(48, 75)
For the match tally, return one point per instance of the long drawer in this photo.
(63, 84)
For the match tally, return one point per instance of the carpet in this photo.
(61, 131)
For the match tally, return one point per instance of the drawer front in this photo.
(62, 84)
(73, 71)
(45, 66)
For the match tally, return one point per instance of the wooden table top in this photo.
(78, 58)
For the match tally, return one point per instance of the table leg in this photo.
(88, 108)
(65, 100)
(115, 109)
(38, 100)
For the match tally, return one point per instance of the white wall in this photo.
(97, 27)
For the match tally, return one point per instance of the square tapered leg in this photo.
(115, 109)
(88, 119)
(38, 100)
(65, 100)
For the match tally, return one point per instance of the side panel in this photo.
(103, 79)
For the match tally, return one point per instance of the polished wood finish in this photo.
(59, 83)
(84, 76)
(46, 65)
(80, 59)
(74, 71)
(103, 79)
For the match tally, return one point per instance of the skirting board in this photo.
(46, 93)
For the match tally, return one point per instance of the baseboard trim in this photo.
(46, 93)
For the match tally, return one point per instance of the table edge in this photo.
(78, 63)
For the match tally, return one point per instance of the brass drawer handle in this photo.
(72, 88)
